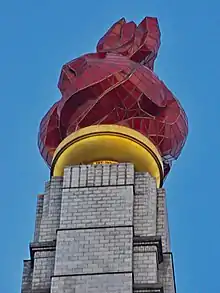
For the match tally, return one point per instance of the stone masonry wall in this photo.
(100, 228)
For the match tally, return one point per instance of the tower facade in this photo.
(101, 224)
(100, 228)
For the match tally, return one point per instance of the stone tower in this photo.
(100, 228)
(101, 224)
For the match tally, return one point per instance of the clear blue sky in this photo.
(37, 38)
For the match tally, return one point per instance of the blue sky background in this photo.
(37, 38)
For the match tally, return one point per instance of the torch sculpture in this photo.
(114, 108)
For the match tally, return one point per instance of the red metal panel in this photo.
(117, 85)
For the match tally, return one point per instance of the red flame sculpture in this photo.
(117, 85)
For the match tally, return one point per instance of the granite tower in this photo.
(101, 223)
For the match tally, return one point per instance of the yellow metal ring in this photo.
(108, 143)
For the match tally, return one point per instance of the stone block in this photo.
(89, 251)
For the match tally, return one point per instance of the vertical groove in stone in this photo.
(39, 212)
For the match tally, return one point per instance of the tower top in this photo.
(114, 108)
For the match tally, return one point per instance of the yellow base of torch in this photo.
(108, 144)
